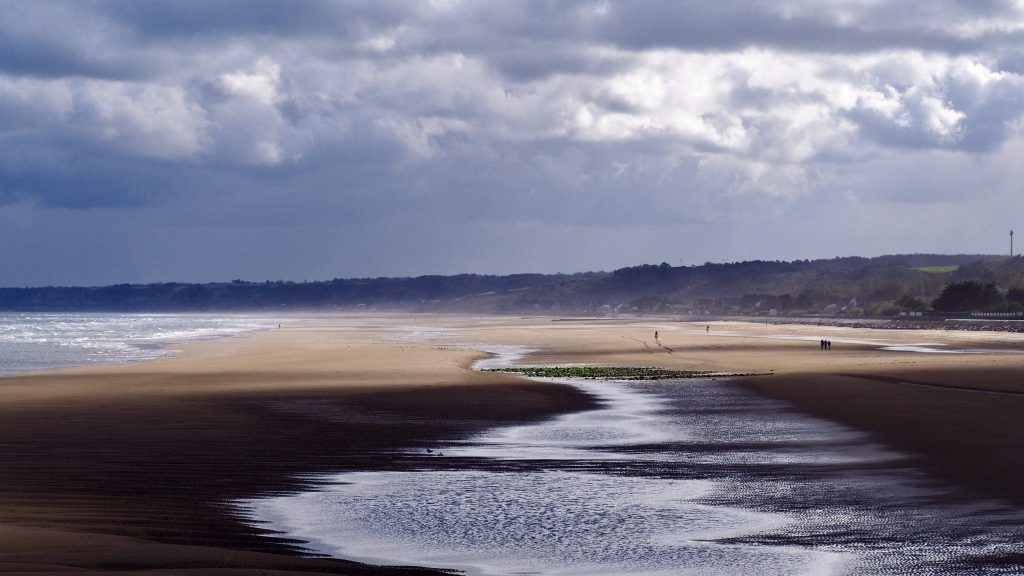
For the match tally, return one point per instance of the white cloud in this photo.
(777, 109)
(150, 120)
(30, 103)
(260, 84)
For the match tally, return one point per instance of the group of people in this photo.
(826, 344)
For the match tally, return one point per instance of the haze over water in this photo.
(672, 477)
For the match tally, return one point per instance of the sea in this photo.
(687, 477)
(45, 341)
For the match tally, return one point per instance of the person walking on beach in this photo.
(708, 328)
(828, 344)
(655, 335)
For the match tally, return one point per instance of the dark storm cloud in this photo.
(414, 135)
(101, 38)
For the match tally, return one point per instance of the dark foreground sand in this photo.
(974, 438)
(129, 469)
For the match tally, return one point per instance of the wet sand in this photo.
(130, 468)
(960, 415)
(971, 438)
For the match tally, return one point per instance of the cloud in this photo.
(588, 114)
(152, 121)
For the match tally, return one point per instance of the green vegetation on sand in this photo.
(610, 372)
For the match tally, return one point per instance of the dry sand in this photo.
(131, 468)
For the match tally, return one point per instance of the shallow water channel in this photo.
(667, 477)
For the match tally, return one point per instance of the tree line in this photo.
(974, 296)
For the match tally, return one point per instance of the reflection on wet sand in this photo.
(668, 477)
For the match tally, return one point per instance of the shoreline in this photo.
(142, 460)
(165, 346)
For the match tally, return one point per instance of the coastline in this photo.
(141, 460)
(52, 341)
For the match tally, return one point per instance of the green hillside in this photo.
(853, 285)
(849, 285)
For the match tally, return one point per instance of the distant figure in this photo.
(707, 328)
(822, 342)
(828, 344)
(655, 334)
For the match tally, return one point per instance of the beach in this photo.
(115, 469)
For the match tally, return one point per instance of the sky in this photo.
(151, 141)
